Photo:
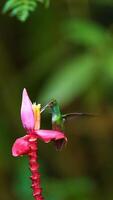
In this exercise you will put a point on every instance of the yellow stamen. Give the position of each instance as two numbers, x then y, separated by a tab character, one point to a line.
36	110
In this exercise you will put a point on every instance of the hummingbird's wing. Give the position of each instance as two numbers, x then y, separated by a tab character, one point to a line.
76	114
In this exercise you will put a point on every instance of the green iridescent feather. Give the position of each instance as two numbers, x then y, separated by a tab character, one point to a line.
57	119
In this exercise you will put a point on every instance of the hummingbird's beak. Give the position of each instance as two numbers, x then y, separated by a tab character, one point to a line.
46	106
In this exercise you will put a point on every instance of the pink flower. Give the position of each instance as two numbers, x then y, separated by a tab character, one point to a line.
30	116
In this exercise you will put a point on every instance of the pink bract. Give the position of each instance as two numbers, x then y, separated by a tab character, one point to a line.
21	146
50	135
27	115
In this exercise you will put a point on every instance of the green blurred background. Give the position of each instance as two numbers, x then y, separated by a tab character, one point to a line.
63	52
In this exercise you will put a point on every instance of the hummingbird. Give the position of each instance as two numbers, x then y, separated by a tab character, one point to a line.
58	119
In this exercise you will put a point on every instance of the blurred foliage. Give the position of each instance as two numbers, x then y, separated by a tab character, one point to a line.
63	52
79	188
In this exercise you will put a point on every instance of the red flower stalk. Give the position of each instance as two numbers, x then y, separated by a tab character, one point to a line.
34	167
27	145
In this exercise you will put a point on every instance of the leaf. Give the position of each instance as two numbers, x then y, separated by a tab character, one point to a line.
84	32
22	8
70	81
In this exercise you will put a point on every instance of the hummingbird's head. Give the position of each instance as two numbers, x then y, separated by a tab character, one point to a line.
52	103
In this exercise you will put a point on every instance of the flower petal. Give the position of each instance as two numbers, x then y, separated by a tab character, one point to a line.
51	135
27	115
21	146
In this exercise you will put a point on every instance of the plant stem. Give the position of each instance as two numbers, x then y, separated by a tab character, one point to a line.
34	168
